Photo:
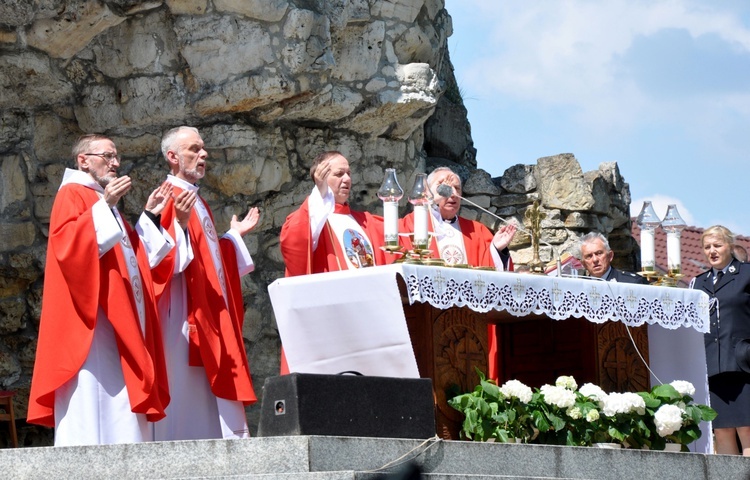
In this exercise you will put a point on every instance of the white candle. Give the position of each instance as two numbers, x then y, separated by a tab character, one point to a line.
390	220
420	225
674	261
647	250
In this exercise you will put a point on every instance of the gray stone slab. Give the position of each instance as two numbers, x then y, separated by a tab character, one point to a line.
350	458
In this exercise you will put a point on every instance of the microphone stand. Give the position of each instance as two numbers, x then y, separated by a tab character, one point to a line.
446	191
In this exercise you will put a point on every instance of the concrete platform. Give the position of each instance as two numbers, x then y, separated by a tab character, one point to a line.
334	458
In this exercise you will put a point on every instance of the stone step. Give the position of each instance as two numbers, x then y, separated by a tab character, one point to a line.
359	458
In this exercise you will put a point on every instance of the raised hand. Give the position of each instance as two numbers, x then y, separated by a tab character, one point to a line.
116	189
159	198
321	176
504	236
248	223
183	205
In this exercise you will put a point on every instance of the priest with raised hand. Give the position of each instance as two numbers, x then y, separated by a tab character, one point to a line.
201	305
460	241
324	234
99	375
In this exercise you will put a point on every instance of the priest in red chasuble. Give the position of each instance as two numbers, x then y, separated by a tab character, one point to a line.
100	375
201	305
458	240
324	234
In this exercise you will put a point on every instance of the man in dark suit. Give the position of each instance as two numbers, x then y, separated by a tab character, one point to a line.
596	257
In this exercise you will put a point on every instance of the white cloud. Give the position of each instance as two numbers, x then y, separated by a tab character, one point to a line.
660	203
568	54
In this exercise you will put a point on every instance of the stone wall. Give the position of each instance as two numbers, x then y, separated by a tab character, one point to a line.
270	83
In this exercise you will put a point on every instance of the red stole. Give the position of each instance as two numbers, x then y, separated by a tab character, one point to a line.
214	324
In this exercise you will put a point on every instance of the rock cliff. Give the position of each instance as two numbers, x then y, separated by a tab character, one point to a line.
270	83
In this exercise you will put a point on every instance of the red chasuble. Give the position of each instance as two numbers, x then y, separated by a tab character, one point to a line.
76	284
215	325
477	243
296	242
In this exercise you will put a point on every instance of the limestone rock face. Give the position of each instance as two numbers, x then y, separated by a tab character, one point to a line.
270	84
561	183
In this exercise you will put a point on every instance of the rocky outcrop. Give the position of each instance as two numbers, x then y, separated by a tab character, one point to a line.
270	84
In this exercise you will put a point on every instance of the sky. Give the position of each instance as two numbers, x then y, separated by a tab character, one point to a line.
660	87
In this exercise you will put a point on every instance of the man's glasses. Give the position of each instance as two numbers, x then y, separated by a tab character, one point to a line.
108	156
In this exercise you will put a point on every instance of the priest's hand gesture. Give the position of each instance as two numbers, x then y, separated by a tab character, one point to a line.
503	237
248	223
159	198
321	176
183	206
116	189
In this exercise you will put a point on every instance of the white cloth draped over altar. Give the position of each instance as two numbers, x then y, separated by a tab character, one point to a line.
354	320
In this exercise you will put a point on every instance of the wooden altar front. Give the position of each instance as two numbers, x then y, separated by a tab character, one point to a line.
450	344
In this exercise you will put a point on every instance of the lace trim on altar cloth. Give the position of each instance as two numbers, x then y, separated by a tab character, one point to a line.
556	297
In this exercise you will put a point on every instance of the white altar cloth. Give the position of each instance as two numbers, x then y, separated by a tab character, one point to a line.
556	297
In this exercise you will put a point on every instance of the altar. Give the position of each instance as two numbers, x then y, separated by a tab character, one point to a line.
411	320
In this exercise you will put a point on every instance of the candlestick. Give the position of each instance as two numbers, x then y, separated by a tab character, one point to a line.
390	193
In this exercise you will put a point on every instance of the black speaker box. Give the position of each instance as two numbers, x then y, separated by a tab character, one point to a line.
347	405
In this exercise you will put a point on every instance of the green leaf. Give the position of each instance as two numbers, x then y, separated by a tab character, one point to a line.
540	421
667	392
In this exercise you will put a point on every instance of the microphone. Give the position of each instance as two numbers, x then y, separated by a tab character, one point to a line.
446	191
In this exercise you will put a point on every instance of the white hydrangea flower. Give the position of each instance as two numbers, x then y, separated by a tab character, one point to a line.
683	387
593	392
516	389
566	381
623	403
558	396
592	416
574	413
668	419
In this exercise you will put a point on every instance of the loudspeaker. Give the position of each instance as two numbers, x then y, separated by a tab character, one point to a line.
347	405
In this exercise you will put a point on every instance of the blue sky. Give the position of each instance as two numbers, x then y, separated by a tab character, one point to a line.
660	87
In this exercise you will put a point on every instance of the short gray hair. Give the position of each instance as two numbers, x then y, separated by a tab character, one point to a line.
591	236
168	139
432	174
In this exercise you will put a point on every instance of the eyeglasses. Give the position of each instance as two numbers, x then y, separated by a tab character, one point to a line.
108	156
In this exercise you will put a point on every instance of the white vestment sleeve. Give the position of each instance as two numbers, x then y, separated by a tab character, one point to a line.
184	250
496	258
245	263
320	208
108	230
157	241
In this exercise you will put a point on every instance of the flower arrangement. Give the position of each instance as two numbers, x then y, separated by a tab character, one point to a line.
563	414
676	419
495	413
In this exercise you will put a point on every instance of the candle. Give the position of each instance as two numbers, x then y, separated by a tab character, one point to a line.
647	250
390	223
674	262
420	226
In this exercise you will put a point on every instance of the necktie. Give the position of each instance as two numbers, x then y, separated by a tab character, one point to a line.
718	276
